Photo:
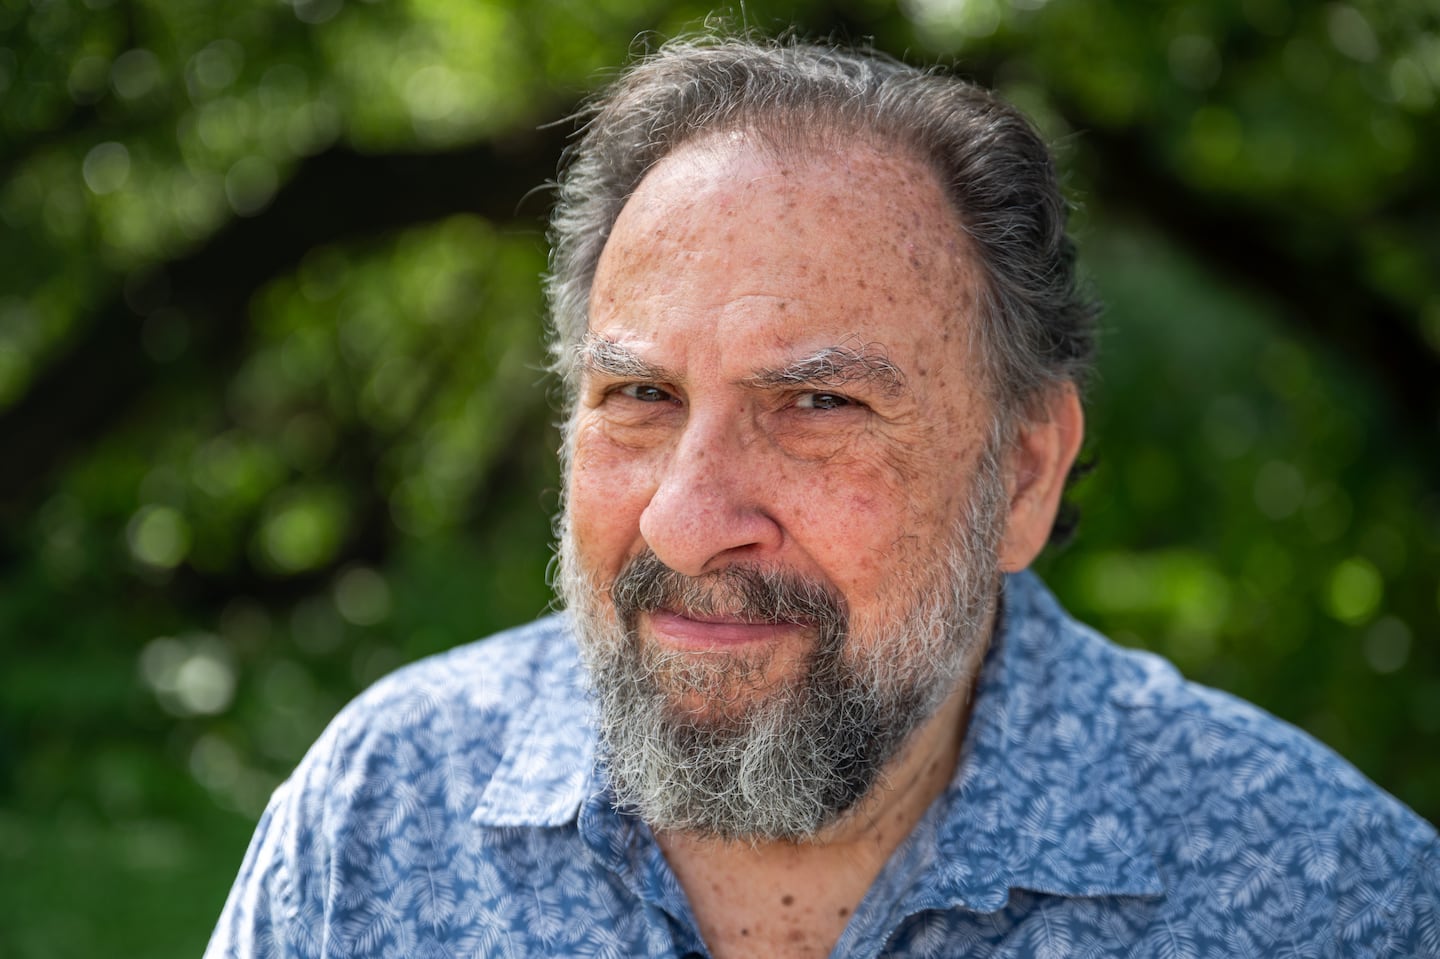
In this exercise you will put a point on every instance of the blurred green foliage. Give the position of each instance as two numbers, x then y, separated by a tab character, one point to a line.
273	419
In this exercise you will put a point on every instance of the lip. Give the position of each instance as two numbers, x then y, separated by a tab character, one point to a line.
677	630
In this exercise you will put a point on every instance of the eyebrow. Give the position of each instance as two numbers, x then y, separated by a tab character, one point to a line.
829	367
596	354
836	366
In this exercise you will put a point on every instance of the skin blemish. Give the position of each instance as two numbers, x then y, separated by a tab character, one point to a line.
744	932
787	900
844	911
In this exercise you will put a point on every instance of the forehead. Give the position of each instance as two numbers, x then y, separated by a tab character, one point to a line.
842	243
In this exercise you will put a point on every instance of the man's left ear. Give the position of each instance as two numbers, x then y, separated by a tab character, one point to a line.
1036	465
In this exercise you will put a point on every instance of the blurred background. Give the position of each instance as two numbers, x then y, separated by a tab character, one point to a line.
272	421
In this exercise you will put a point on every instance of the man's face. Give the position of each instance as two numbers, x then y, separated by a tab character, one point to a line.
779	421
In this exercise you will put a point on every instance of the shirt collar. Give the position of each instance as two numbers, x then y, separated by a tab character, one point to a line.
1042	798
547	768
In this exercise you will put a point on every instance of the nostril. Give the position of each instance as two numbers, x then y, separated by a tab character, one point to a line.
690	525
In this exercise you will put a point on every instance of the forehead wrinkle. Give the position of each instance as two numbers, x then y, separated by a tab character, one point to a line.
834	366
602	355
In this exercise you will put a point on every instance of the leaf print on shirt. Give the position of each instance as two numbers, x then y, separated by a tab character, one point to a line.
1104	807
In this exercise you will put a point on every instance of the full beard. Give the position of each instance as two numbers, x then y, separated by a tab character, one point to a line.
767	760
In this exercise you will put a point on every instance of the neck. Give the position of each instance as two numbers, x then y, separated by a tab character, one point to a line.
794	898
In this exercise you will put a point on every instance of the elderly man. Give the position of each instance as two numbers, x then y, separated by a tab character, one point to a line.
817	319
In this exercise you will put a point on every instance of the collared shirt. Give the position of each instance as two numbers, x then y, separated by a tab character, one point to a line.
1102	806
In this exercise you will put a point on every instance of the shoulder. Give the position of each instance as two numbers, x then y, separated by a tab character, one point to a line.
391	787
427	741
483	681
1201	743
464	704
1253	824
1198	747
1248	815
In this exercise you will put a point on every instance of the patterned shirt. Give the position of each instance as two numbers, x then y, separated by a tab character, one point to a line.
1102	806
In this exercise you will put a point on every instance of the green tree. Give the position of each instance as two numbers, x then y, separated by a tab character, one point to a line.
273	421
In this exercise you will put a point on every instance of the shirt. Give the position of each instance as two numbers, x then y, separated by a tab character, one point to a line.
1101	806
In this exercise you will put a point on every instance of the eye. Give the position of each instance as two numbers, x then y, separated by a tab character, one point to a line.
822	401
644	392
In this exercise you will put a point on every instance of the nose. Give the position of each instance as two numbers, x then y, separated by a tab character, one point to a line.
711	502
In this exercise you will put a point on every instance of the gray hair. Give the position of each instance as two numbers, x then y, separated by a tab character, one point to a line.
1036	327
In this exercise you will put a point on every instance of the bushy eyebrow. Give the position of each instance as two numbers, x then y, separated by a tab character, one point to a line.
596	354
830	367
833	367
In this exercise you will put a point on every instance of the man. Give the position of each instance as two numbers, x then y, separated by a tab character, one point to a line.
817	320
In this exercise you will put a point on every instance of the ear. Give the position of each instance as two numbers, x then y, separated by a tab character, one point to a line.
1036	465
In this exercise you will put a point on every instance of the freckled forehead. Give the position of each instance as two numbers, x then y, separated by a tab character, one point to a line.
809	248
726	175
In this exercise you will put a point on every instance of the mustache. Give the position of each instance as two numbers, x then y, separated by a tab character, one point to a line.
747	593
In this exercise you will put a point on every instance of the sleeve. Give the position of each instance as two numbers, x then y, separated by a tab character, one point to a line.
275	910
1416	927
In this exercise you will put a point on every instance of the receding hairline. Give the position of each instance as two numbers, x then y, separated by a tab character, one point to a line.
966	268
804	142
994	169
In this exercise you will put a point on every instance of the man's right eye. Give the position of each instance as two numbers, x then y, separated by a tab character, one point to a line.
644	392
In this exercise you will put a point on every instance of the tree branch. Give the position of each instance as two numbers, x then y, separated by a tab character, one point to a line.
335	196
1322	293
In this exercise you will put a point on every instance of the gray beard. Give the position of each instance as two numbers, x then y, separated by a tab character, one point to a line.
778	763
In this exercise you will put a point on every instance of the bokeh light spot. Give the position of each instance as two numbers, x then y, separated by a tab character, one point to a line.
1194	61
215	67
1279	489
190	677
316	11
362	596
106	167
87	79
158	536
135	73
303	529
205	684
1351	33
250	184
1355	590
1387	645
215	764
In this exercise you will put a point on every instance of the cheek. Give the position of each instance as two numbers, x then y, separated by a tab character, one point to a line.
879	520
606	491
854	522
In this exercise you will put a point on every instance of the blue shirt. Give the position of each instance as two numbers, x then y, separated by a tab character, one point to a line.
1102	806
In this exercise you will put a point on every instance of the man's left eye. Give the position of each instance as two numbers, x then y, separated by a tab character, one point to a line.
645	393
822	401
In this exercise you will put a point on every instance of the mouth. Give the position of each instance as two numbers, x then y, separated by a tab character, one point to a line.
706	631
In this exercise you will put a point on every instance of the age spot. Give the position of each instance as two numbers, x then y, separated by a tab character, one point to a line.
787	900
